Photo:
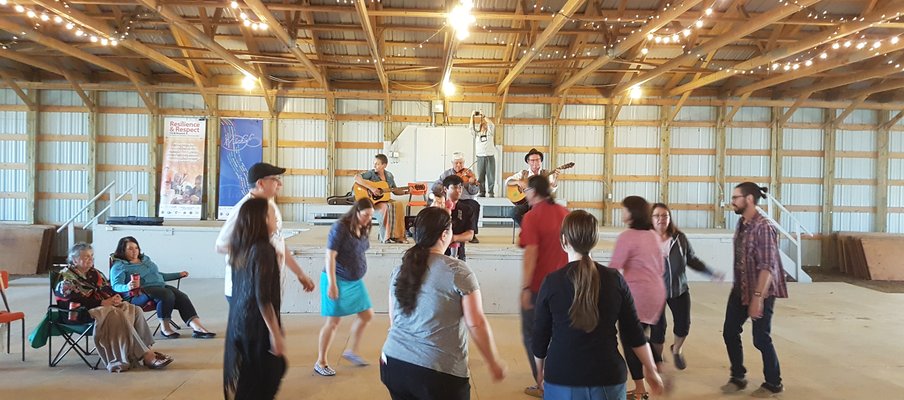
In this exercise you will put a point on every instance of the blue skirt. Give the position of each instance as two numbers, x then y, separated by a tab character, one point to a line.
353	297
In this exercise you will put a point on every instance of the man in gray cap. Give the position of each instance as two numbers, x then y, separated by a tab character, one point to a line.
266	180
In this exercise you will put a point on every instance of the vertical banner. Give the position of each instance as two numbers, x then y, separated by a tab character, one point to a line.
182	180
241	146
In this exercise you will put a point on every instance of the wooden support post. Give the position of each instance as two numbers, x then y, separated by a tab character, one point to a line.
608	165
665	147
213	158
556	113
387	118
776	156
154	130
272	138
32	128
331	134
828	190
93	126
882	137
719	214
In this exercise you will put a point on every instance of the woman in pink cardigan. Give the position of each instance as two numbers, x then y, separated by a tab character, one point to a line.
640	259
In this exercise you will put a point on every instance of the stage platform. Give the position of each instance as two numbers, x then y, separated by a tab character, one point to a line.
497	262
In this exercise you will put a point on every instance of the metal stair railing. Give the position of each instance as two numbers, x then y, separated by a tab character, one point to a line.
69	225
773	207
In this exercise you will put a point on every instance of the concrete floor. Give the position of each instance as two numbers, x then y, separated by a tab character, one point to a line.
834	341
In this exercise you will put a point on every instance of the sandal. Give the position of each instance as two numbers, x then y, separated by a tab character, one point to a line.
355	359
324	370
159	363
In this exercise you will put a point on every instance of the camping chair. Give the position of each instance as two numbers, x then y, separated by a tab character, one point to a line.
7	316
151	306
72	332
416	189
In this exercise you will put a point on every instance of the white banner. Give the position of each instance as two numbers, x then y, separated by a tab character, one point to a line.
182	180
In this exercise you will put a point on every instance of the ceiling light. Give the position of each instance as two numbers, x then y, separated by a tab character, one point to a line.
686	32
636	92
699	23
58	19
775	66
709	11
247	22
644	51
650	36
787	67
675	38
824	55
79	33
895	40
795	67
93	39
835	46
19	8
249	82
114	42
235	4
448	88
45	17
861	45
877	45
70	25
848	43
808	63
104	41
31	14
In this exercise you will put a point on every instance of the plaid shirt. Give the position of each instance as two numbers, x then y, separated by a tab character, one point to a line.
756	249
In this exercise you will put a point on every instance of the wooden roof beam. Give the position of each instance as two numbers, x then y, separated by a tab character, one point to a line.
850	109
716	43
102	28
578	42
894	120
316	42
266	15
174	18
69	75
209	100
855	57
630	41
847	78
266	87
802	45
8	79
67	49
797	104
361	7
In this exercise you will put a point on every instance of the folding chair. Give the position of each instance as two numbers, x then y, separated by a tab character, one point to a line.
8	316
416	189
72	332
151	305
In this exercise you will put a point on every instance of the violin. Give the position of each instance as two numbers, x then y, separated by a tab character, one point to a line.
466	174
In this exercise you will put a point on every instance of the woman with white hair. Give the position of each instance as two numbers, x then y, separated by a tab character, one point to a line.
121	334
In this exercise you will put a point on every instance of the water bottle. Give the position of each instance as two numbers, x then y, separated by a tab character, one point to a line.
137	290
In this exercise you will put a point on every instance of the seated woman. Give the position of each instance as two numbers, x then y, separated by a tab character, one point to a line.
128	260
121	334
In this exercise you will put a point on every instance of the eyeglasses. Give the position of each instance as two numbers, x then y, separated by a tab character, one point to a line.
738	197
660	216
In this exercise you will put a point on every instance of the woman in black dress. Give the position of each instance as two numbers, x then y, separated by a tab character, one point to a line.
254	361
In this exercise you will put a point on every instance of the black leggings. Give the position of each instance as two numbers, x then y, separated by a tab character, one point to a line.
407	381
681	316
167	299
634	364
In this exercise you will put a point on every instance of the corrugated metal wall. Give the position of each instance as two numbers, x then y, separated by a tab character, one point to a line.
518	139
692	168
356	141
62	155
855	174
123	152
574	141
896	180
13	162
637	168
747	153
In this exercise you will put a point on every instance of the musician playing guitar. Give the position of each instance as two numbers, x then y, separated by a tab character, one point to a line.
468	190
392	230
534	160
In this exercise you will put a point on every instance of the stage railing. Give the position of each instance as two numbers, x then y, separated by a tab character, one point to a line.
69	225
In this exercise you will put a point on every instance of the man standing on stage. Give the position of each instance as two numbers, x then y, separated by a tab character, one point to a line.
534	160
483	129
758	280
469	188
267	181
541	240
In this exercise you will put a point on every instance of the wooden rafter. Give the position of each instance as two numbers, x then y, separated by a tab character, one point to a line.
147	97
102	28
266	87
316	43
266	15
797	103
894	120
361	6
630	41
736	108
200	81
71	76
802	45
850	109
577	44
847	78
716	43
171	16
8	79
514	41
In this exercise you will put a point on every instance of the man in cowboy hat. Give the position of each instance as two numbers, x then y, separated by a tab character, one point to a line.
534	160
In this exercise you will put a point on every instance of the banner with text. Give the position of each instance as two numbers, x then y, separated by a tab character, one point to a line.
182	180
241	146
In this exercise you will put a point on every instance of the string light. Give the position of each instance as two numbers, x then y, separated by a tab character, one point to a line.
61	18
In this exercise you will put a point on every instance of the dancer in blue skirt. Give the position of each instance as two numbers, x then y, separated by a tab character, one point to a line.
341	285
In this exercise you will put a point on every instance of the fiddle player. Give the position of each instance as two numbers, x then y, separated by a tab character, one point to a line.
469	188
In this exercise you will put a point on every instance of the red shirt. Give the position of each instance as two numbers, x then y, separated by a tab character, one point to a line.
542	226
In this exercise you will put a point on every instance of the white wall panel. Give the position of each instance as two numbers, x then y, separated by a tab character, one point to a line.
58	211
359	107
896	196
60	98
696	113
313	130
466	109
896	223
120	99
801	194
692	192
307	186
302	105
855	168
802	167
242	103
753	114
12	122
896	168
806	115
852	222
12	180
855	195
748	138
692	219
692	165
586	112
693	138
620	190
636	136
583	191
63	123
896	142
855	140
747	166
181	101
130	125
519	110
122	154
360	131
577	136
636	164
803	139
860	116
527	135
13	210
411	108
9	97
584	164
639	113
811	221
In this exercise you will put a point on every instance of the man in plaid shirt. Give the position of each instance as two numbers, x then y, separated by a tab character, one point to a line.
758	280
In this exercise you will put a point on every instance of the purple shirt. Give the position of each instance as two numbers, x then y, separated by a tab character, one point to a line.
639	256
756	249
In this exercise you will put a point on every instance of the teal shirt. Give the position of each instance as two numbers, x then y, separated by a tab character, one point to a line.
122	270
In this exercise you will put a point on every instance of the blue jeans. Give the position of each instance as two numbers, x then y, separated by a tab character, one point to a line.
736	315
560	392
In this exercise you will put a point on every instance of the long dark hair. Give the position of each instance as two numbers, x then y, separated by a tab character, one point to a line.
671	230
120	252
250	228
640	212
579	231
429	227
350	218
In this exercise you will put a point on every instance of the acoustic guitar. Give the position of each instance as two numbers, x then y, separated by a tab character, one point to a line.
385	195
516	195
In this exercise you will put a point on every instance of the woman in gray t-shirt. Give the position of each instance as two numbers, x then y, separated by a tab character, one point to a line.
426	352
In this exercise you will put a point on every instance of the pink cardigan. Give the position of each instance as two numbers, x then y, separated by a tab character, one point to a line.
638	255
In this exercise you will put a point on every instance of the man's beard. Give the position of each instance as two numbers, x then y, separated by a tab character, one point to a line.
740	211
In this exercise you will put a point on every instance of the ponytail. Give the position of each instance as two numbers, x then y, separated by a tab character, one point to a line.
584	310
429	227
